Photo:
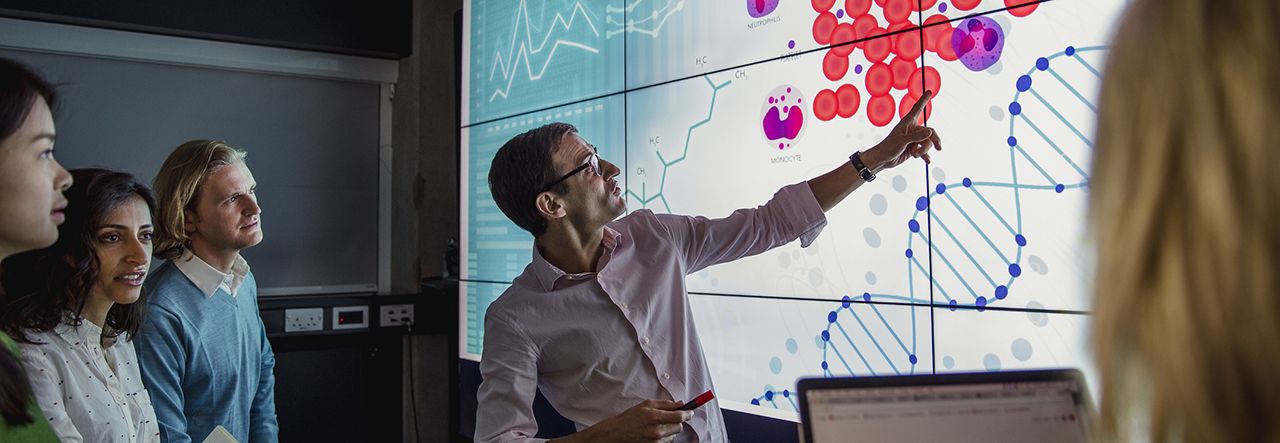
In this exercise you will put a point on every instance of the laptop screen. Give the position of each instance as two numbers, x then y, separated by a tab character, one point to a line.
1040	411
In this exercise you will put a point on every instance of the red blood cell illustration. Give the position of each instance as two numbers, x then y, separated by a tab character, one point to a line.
944	49
822	5
893	50
879	79
822	27
897	11
825	105
877	49
863	25
931	81
1020	11
893	33
880	110
856	8
907	45
901	69
848	100
934	26
834	65
842	34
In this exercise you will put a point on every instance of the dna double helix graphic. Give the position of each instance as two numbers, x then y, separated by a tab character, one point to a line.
974	274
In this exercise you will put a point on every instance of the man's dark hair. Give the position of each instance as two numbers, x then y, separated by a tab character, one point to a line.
521	168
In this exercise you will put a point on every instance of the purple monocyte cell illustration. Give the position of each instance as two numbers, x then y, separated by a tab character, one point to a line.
778	127
782	117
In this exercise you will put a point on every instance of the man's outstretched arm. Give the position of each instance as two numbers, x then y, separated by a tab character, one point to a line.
794	212
907	140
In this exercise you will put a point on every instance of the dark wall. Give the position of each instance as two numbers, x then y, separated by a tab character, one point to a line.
375	29
374	384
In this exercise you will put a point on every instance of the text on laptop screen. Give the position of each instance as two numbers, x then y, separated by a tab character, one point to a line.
1044	412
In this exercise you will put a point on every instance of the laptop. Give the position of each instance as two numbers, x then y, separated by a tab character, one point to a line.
1043	406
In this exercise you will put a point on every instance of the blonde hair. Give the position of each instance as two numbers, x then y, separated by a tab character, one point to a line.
177	189
1185	214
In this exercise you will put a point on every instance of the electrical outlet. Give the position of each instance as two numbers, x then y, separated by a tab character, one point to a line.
395	315
301	320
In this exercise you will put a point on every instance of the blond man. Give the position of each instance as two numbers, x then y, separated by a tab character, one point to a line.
204	352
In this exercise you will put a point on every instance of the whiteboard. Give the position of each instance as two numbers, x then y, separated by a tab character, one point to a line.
314	143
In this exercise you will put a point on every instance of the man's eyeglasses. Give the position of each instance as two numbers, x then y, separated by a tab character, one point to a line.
593	162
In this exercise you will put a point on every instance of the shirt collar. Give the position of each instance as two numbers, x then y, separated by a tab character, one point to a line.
85	332
208	279
548	274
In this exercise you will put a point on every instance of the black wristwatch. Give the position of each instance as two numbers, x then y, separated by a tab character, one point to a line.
863	171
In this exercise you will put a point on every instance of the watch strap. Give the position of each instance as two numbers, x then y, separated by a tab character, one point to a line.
862	168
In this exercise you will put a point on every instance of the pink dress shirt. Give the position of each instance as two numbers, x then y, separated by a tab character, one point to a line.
598	343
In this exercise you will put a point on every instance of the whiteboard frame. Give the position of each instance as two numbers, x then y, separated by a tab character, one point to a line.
54	38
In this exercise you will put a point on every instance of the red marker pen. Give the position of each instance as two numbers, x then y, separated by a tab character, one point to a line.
697	401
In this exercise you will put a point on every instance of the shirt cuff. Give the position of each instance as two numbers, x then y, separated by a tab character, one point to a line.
801	208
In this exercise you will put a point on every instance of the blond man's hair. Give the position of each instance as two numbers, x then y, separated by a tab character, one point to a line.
177	189
1185	210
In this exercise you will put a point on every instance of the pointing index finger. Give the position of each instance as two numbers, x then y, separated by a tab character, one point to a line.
913	115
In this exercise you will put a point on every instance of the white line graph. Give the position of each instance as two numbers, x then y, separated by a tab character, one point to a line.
659	17
521	50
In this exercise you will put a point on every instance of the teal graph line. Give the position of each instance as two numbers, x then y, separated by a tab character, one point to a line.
643	198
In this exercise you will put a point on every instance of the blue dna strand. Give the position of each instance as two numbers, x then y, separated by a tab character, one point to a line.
1046	154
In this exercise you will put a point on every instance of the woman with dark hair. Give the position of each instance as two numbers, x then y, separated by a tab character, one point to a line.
75	306
31	205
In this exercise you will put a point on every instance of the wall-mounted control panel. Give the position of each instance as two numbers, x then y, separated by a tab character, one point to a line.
350	317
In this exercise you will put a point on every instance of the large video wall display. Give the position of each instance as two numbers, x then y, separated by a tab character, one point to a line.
975	262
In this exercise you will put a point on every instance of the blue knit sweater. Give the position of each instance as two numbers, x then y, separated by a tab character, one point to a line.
206	361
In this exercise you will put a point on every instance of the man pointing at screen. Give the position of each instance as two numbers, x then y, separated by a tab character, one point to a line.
600	319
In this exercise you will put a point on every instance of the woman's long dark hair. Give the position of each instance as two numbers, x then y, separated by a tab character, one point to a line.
41	286
20	87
